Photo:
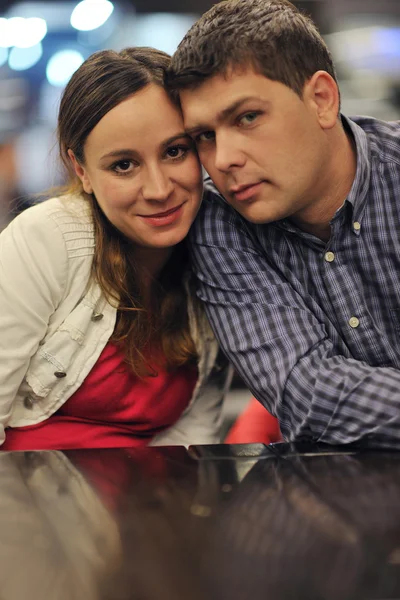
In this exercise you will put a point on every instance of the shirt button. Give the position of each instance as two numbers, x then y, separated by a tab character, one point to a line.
356	226
60	374
354	322
28	402
97	316
329	257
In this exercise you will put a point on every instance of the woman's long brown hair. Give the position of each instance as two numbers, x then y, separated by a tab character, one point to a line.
145	327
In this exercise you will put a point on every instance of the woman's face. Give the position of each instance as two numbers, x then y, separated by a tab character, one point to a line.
143	169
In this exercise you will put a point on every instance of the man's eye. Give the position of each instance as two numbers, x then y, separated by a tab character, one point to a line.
248	118
206	136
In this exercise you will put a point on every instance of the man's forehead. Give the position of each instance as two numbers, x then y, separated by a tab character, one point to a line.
194	105
221	78
216	97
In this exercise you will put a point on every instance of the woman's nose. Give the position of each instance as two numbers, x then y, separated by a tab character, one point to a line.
157	185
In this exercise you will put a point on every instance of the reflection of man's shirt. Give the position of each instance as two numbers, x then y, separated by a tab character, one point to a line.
314	328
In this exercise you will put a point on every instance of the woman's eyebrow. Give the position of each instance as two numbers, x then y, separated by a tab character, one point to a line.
123	152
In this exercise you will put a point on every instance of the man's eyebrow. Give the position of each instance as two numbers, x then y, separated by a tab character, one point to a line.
224	114
122	152
178	136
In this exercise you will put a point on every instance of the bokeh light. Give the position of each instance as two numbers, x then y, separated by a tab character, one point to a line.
62	65
21	59
91	14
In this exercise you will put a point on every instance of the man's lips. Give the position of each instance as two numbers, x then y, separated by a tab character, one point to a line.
245	191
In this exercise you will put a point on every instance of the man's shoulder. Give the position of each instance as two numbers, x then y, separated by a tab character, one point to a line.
215	206
215	210
384	136
211	196
218	224
377	126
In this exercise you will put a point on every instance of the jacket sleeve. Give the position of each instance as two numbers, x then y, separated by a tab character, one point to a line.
33	272
281	350
201	423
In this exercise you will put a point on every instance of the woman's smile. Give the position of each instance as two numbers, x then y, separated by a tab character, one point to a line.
164	218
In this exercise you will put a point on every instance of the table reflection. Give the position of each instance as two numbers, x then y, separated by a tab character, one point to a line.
58	541
165	524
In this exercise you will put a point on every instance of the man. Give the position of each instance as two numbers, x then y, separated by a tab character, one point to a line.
302	280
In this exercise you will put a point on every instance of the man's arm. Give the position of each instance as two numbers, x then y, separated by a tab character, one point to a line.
281	350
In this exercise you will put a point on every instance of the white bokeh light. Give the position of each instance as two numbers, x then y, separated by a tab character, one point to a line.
62	66
22	33
21	59
5	33
163	31
91	14
15	30
32	32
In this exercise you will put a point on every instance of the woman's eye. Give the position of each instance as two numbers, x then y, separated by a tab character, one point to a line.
248	118
177	152
122	166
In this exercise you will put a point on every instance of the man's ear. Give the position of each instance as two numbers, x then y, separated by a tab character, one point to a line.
81	172
322	94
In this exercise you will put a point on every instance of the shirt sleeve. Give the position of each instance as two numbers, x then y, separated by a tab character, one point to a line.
33	265
279	347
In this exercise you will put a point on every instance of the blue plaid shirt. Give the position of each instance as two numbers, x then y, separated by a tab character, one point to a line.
314	328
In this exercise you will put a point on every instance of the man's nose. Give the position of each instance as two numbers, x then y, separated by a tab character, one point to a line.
228	153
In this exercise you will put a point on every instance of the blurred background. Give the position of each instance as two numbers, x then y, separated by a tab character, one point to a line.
43	43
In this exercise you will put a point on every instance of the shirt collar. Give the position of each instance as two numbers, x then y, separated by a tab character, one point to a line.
359	189
358	192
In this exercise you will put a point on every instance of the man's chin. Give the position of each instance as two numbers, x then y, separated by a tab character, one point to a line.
253	215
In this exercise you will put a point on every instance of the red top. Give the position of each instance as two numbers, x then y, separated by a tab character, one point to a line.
112	408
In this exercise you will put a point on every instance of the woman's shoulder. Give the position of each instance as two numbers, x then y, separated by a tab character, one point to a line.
67	217
64	209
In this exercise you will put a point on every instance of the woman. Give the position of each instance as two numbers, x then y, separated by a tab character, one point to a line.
101	341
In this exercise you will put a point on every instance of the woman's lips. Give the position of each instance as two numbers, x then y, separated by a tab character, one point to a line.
164	218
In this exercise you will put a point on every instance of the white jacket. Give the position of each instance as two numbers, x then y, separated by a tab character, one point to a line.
55	322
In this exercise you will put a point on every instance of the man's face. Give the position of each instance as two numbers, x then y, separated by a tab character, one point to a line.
262	144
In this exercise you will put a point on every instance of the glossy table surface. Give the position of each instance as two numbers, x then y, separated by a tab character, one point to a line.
214	522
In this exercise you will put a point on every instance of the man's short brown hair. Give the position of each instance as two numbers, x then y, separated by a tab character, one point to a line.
272	36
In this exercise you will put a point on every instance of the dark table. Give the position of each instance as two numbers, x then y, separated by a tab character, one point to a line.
214	522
